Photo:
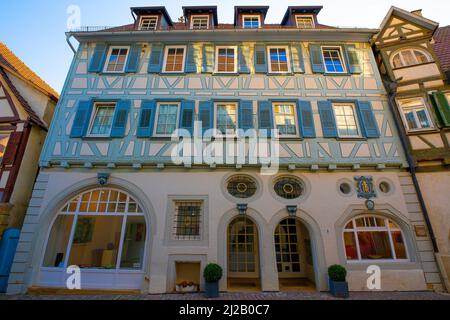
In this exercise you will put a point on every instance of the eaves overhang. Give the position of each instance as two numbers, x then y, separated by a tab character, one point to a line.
217	35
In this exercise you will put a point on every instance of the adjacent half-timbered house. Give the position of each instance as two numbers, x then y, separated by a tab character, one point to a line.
329	182
411	60
26	109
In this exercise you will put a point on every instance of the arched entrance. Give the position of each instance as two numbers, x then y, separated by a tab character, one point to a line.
243	255
102	231
294	256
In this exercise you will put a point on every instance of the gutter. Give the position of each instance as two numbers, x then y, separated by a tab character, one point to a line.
392	90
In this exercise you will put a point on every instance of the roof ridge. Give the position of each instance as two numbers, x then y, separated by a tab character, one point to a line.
23	70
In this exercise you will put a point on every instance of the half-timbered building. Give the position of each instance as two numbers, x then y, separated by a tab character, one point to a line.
114	198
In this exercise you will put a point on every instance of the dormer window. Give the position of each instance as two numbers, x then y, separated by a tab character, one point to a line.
251	22
200	22
304	22
410	57
148	23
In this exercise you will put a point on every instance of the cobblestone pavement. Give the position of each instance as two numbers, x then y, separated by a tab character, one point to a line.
422	295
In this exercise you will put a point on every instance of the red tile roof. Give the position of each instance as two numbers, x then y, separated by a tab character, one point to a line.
13	64
442	47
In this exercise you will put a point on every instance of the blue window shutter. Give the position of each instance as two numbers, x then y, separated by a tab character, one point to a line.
82	118
327	118
306	119
298	65
246	115
133	59
369	126
205	114
187	115
146	119
156	58
315	53
352	59
208	58
120	119
265	117
98	58
243	64
191	60
260	59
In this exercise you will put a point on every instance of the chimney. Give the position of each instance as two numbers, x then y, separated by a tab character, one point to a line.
417	12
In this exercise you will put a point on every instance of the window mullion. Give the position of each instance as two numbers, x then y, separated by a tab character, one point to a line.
394	255
358	250
122	237
69	244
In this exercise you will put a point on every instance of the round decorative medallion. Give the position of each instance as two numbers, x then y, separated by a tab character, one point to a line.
241	186
289	187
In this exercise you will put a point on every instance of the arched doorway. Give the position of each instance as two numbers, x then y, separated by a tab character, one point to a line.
243	255
294	257
102	231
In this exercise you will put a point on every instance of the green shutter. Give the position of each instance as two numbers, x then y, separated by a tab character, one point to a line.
146	119
306	119
120	119
260	59
367	120
265	117
327	118
191	60
442	106
133	59
243	64
82	117
297	59
187	115
98	58
352	58
315	52
246	114
205	114
156	57
208	58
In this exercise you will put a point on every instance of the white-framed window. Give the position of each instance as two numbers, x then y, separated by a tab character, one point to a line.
410	57
166	118
116	59
369	238
251	21
226	59
102	119
226	120
200	22
333	60
98	229
415	114
188	220
148	23
174	59
346	120
279	61
304	21
285	118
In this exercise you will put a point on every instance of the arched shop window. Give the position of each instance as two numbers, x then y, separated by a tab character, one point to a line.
374	238
99	229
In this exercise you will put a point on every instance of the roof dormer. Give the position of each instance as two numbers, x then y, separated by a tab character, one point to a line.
303	17
250	17
200	17
151	18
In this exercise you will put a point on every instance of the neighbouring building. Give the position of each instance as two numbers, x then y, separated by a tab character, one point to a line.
27	104
111	200
414	58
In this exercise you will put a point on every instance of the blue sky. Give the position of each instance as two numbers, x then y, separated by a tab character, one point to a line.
35	30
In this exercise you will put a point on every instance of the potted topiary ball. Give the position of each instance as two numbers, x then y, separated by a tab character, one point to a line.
337	283
212	274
